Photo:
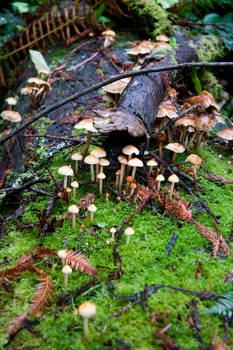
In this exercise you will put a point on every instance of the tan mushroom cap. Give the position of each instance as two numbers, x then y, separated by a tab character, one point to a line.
185	121
194	159
66	171
11	101
167	109
98	152
204	122
91	159
104	162
113	230
62	253
28	90
108	32
36	81
118	86
212	102
162	37
226	134
101	176
87	309
129	231
152	162
175	147
123	160
73	209
67	269
129	150
173	178
142	48
135	162
92	208
86	124
74	184
76	156
161	45
11	116
160	178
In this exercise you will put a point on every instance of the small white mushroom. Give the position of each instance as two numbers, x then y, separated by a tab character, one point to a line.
74	185
103	162
66	270
76	156
73	209
113	231
129	150
129	231
101	177
123	160
65	171
91	160
62	255
86	124
86	310
98	153
11	101
151	163
159	179
135	163
92	208
173	179
117	173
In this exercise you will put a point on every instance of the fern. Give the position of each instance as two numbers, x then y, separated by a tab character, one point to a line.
224	306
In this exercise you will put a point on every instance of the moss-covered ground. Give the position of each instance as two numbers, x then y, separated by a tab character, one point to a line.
143	262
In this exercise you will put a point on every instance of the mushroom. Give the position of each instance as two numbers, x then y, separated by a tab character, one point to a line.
173	179
103	162
74	185
129	231
42	88
144	47
76	156
203	125
86	124
151	163
11	101
195	160
123	160
43	73
117	173
227	134
91	160
66	270
117	87
135	162
167	111
109	37
98	153
183	123
11	116
175	148
101	177
73	209
86	310
159	179
62	255
31	92
65	171
161	138
129	151
129	180
162	37
133	186
92	208
113	231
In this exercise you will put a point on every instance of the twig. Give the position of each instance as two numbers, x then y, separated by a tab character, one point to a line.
108	81
62	138
197	324
83	62
172	243
11	190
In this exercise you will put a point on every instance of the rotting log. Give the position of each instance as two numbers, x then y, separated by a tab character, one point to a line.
137	108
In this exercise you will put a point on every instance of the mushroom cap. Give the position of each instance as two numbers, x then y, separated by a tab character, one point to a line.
162	37
91	159
152	162
226	134
185	121
142	48
67	269
167	109
135	162
133	185
173	178
108	32
74	184
28	90
175	147
205	99
87	309
217	117
118	172
101	176
98	152
204	122
123	160
36	81
62	253
129	231
129	178
11	101
129	150
73	209
212	102
160	178
68	189
117	87
113	230
104	162
11	116
92	208
66	171
86	124
76	156
194	159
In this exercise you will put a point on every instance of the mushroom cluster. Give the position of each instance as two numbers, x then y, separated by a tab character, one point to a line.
36	90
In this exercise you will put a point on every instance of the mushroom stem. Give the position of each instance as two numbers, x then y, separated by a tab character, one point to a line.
173	158
158	185
97	171
128	166
92	172
121	177
117	182
160	149
85	327
89	133
171	190
128	239
101	187
65	181
76	167
133	172
73	221
74	192
91	218
66	280
150	170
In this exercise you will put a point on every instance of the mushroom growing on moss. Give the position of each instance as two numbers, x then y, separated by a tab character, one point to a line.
135	163
101	177
65	171
159	179
74	185
227	135
195	160
66	270
151	163
62	255
86	124
91	160
92	208
98	153
175	148
86	310
123	161
173	179
73	209
129	231
76	156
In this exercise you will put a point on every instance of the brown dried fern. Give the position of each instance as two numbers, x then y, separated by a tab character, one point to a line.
86	201
78	260
16	323
10	274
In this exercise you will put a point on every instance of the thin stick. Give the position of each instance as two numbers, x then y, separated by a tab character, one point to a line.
108	81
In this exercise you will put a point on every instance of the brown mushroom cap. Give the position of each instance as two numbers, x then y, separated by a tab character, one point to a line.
98	152
129	150
86	124
104	162
36	81
162	37
185	121
167	109
204	122
194	159
108	32
118	86
142	48
175	147
226	134
28	90
123	160
11	116
87	309
91	159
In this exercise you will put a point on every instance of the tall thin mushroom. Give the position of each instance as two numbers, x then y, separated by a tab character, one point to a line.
76	156
91	160
123	160
86	124
65	171
135	163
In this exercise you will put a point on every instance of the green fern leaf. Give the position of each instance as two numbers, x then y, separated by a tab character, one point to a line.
224	306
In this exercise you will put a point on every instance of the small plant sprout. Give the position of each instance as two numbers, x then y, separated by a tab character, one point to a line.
159	179
103	162
133	187
73	209
173	179
101	177
91	160
117	173
129	231
113	231
66	270
62	255
86	310
92	208
151	163
76	156
195	160
123	160
175	148
65	171
98	153
74	185
11	101
11	116
86	124
135	163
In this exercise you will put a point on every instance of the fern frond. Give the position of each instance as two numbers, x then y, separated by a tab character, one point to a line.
78	260
43	293
224	306
86	201
16	323
10	274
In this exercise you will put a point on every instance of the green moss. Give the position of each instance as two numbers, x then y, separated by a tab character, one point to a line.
209	48
211	84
